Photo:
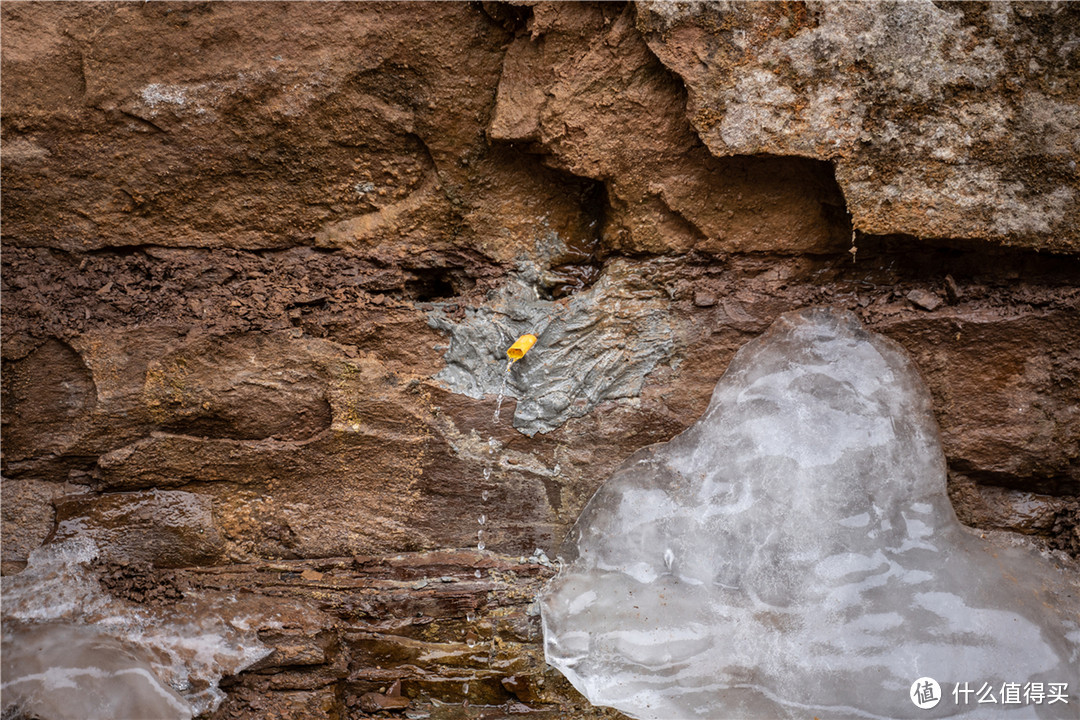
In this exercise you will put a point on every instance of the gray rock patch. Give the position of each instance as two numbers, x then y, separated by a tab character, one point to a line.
595	346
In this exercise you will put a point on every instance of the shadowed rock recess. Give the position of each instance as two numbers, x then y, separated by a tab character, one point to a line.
261	263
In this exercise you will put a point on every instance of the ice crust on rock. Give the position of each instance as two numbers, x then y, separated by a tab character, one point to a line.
77	672
794	554
72	650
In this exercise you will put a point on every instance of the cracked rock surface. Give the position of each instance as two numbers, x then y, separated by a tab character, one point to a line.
942	120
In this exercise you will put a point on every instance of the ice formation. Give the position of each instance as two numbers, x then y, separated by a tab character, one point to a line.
77	672
72	650
794	554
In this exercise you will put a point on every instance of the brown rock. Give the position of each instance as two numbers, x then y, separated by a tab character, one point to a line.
49	397
924	299
289	237
1003	414
28	515
378	136
952	290
849	83
704	299
988	506
246	387
373	633
391	700
584	88
166	528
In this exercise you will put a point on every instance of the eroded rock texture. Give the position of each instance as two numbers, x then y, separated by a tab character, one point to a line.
259	261
941	119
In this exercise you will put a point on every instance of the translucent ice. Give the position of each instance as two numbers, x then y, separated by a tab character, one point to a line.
794	554
72	650
77	672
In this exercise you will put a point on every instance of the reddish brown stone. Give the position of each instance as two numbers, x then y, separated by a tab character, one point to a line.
226	229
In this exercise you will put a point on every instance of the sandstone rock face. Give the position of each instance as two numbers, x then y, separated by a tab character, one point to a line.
164	528
28	515
944	121
584	89
269	257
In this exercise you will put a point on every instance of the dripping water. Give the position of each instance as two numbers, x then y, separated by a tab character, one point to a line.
502	392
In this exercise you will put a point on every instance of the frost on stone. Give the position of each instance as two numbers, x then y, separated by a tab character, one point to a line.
793	554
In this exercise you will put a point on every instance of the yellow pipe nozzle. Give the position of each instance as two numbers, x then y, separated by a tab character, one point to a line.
521	346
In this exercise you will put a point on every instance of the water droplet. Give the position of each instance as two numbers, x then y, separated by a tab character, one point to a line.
480	546
482	519
471	617
479	534
487	473
465	688
669	558
478	573
485	495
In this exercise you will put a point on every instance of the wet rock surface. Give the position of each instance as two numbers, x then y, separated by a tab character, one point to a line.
458	627
165	528
277	271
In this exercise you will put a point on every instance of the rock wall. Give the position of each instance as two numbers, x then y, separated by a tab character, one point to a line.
261	263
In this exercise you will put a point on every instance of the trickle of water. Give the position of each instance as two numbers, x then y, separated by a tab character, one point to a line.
498	403
502	392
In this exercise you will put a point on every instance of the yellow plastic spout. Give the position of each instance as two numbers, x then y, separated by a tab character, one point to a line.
517	351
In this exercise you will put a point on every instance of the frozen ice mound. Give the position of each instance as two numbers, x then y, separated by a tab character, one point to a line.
76	672
70	650
794	554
